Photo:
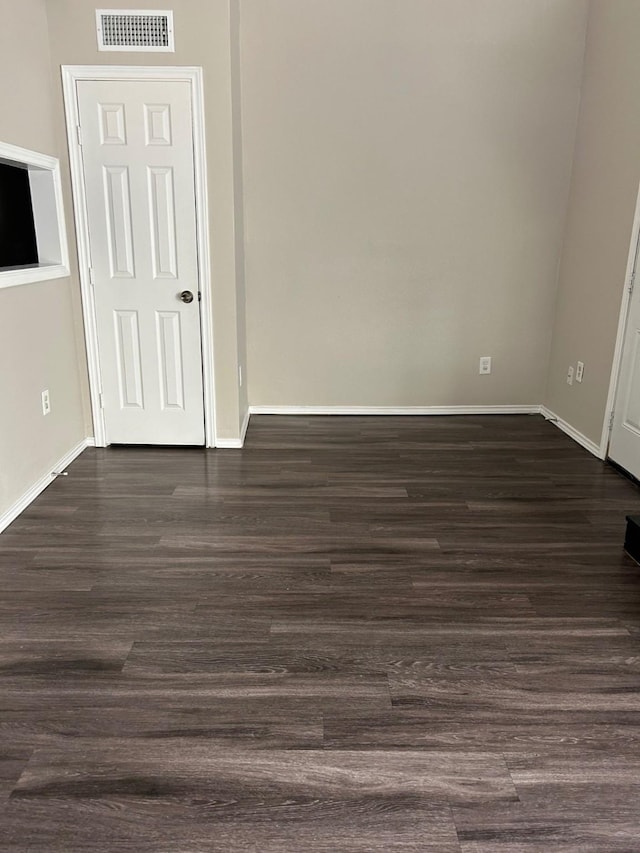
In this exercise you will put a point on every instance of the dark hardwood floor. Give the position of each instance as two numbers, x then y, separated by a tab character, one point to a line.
357	634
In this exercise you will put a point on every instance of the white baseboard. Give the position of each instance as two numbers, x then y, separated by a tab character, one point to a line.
235	443
228	444
572	432
245	426
395	410
31	494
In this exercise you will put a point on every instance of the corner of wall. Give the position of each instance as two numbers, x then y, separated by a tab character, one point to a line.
552	332
605	175
239	223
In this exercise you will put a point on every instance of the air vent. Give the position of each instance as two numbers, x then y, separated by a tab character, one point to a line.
135	30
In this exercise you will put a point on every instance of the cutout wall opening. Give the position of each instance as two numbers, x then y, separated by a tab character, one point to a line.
33	242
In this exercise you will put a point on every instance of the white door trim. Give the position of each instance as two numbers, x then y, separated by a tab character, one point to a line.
622	326
71	74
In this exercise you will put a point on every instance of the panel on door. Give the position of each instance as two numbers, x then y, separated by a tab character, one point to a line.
140	189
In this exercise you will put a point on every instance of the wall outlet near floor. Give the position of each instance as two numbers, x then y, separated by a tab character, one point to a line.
485	364
240	375
580	371
46	403
570	376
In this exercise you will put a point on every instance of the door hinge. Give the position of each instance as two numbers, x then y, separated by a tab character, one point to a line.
101	399
199	296
92	276
632	281
79	133
611	419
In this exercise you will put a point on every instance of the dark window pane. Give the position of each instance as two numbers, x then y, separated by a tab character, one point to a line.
17	231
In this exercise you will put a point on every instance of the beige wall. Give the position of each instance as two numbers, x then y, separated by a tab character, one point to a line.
406	173
203	38
37	324
603	195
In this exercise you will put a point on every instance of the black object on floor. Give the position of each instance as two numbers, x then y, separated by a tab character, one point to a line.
632	537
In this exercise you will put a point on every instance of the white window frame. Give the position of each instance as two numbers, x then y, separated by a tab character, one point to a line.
48	214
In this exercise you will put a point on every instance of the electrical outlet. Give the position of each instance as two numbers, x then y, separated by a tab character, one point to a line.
580	371
570	376
46	403
485	364
240	375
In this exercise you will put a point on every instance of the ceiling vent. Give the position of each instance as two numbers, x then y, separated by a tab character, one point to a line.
135	30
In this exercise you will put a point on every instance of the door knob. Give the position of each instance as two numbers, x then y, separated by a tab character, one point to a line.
186	296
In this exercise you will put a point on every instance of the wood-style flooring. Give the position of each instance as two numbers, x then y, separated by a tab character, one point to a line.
356	634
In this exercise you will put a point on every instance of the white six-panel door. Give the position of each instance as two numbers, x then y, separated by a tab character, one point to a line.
137	150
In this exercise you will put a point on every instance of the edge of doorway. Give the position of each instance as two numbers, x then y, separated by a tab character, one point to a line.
625	305
72	74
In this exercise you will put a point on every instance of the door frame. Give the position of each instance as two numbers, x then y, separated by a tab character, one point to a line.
72	74
629	284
